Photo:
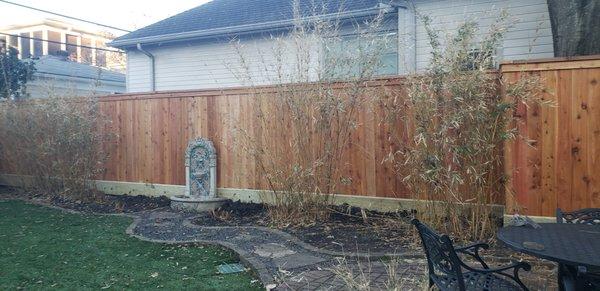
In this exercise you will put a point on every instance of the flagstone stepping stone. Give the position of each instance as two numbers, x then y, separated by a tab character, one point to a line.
295	261
273	250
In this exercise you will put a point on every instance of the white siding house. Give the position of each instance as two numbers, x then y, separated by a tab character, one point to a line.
212	62
199	65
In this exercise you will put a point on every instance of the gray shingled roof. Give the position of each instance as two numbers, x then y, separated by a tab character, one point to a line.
232	13
56	67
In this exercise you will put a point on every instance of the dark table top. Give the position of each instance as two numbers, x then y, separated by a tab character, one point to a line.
571	244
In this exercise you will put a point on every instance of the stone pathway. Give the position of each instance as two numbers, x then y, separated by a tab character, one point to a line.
278	258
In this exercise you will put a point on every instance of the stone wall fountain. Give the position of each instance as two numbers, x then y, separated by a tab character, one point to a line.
201	179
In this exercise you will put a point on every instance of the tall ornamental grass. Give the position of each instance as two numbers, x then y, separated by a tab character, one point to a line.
457	120
309	110
58	141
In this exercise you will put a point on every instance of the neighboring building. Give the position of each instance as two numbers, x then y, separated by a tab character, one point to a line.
52	37
57	76
192	50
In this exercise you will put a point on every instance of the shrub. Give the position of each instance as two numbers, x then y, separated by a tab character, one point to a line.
14	74
457	121
58	141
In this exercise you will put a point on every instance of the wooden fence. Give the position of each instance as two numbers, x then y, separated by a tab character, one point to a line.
154	129
562	168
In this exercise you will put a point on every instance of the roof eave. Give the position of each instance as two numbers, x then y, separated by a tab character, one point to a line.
208	33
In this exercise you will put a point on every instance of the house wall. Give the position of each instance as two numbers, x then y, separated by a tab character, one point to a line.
226	63
215	63
529	38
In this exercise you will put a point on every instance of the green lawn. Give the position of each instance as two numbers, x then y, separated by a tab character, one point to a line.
43	248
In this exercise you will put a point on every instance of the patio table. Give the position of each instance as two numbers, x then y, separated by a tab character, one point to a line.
574	245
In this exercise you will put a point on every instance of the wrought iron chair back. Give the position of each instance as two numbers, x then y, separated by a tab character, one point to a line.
582	216
442	260
448	272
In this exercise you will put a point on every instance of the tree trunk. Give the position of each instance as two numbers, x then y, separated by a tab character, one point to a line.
575	27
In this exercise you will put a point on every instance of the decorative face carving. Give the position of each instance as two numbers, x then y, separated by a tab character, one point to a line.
200	156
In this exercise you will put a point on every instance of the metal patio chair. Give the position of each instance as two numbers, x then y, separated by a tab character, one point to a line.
584	216
448	272
585	279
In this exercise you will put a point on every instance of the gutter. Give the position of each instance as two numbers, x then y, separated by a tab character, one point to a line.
247	28
152	66
407	40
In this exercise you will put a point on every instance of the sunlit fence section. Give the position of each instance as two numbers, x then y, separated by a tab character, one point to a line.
560	165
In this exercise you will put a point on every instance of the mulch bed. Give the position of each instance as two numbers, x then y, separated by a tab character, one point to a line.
95	202
113	203
345	231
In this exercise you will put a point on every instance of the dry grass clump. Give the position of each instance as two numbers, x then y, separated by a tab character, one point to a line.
221	215
58	141
458	120
310	112
358	275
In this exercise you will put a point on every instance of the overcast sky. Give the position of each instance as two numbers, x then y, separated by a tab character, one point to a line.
126	14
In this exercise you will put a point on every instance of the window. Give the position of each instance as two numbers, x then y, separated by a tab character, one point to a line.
72	47
13	41
100	54
38	45
54	44
351	56
25	45
86	52
476	59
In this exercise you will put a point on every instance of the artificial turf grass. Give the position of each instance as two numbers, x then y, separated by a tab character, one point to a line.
43	248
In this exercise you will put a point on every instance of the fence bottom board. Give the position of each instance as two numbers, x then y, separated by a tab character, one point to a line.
382	204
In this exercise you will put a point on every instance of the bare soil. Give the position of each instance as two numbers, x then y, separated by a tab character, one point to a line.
346	230
94	202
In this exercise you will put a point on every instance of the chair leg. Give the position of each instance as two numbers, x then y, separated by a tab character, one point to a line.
561	286
567	280
581	285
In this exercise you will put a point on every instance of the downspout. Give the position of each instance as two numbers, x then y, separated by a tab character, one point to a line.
152	66
407	40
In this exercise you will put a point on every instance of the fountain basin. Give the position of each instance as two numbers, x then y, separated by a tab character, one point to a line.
196	204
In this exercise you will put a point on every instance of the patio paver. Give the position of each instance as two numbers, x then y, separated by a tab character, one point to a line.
278	258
